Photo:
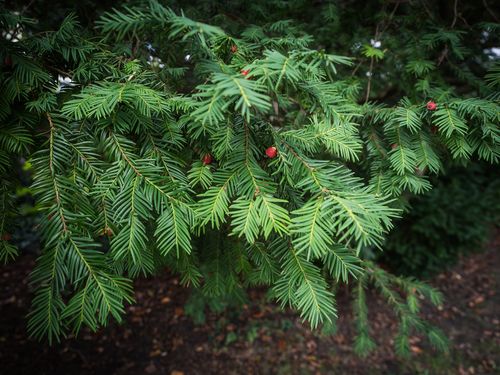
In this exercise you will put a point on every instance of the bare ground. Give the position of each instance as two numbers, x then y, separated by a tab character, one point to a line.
158	338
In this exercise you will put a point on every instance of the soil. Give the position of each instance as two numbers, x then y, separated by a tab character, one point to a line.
157	336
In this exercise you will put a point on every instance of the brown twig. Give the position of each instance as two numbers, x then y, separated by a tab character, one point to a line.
369	86
443	55
357	67
378	34
135	47
488	9
429	13
390	18
53	173
26	7
455	14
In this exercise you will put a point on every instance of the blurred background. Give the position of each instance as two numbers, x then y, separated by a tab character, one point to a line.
449	237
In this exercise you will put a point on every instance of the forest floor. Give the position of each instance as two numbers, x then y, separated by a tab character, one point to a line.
158	338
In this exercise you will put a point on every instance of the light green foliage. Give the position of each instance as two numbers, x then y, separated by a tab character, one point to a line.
117	154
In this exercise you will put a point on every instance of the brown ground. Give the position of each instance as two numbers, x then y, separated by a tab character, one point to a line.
158	338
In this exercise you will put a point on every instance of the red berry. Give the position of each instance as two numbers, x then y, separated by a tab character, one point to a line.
108	232
6	237
394	146
245	72
271	152
419	172
234	48
431	106
207	159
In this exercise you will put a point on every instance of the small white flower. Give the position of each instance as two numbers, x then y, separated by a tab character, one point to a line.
369	74
63	82
187	58
155	62
493	52
150	47
14	35
356	46
375	43
484	36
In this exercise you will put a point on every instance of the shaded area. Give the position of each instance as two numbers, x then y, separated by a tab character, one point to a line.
158	338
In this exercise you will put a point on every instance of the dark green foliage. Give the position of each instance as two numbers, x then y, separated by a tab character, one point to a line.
455	217
116	116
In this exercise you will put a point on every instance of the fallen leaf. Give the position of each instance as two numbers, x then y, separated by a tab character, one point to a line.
281	344
179	311
155	353
415	349
151	368
165	300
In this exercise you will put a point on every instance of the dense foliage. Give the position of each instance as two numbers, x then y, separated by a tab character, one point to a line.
455	217
237	151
